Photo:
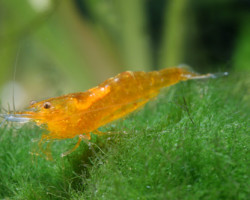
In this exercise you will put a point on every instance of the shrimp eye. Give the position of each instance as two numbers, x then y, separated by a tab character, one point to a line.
47	105
32	102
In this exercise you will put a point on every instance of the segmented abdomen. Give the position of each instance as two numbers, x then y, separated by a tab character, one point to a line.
126	92
131	85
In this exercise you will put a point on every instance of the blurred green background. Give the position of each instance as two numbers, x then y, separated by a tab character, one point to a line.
63	46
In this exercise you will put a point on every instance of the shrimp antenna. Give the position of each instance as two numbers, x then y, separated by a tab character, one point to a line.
5	110
2	122
14	79
8	111
2	108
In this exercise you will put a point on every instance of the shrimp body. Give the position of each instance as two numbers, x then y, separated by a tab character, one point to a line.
81	113
84	112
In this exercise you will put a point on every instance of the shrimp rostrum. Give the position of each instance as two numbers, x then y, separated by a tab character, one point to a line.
82	113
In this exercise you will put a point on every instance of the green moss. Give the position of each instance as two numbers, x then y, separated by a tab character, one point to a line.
191	143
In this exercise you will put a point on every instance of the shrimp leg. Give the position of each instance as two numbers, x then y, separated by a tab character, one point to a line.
99	133
46	151
85	137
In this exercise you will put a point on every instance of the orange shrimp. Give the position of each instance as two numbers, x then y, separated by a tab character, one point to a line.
79	114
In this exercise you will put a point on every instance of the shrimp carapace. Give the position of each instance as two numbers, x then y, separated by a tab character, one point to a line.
79	114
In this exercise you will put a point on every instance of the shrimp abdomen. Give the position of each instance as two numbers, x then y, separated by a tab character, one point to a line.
144	82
